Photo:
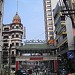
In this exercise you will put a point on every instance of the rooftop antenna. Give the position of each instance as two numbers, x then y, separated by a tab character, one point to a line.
17	6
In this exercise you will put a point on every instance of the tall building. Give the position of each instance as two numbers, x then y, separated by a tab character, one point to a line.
12	35
64	39
49	34
1	21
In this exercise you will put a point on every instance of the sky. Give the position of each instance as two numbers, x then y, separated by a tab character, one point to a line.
31	13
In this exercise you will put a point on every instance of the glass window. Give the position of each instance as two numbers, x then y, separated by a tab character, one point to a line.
51	28
12	36
17	35
17	44
6	29
64	35
17	27
21	44
12	44
63	18
21	36
12	52
12	27
5	37
51	33
5	45
57	41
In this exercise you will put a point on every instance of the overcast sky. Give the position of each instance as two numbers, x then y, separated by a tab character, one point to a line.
32	16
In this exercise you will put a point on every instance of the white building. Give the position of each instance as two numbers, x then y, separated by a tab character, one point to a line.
12	34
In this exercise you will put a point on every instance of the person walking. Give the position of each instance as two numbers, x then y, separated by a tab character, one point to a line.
69	73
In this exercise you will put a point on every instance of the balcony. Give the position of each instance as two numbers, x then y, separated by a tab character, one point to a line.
20	30
64	33
62	42
19	39
6	31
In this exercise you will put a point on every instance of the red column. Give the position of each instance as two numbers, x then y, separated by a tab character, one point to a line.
55	65
17	65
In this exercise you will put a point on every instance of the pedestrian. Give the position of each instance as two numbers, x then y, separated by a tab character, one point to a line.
69	73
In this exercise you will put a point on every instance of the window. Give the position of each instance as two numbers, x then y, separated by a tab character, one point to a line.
21	27
56	32
52	38
17	44
6	29
5	45
49	18
13	60
12	52
57	41
63	18
5	37
48	2
51	33
51	28
49	14
17	35
50	24
21	36
64	35
21	44
48	6
12	27
12	36
17	27
49	10
12	44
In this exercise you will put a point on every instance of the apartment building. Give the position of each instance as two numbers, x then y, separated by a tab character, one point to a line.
12	35
60	29
64	39
49	34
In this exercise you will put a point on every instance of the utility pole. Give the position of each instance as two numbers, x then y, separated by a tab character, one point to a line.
9	59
